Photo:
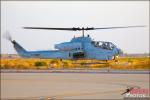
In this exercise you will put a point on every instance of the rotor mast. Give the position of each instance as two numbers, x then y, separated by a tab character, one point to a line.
82	31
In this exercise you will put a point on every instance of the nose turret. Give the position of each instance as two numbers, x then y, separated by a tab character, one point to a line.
119	51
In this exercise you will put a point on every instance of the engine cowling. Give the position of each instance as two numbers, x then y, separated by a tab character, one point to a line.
68	46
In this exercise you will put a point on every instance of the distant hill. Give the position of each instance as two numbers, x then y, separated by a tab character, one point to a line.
135	55
9	56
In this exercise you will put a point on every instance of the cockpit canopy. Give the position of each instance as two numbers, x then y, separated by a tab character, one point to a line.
103	45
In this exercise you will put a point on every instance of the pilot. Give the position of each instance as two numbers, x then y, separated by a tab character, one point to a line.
108	46
104	46
97	44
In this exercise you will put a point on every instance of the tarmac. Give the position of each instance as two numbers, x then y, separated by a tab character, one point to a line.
69	85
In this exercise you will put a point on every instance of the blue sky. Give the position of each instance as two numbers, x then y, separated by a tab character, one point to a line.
17	14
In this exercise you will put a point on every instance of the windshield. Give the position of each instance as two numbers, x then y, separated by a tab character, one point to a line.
103	45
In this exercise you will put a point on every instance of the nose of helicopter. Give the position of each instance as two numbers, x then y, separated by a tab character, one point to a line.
120	51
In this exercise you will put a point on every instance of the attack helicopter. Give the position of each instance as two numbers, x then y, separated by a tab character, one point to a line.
83	47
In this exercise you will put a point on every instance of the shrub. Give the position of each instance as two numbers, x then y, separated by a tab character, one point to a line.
40	63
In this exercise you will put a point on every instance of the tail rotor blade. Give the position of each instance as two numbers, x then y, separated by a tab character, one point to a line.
7	36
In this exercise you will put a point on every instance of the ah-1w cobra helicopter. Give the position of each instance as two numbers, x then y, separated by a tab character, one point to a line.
82	47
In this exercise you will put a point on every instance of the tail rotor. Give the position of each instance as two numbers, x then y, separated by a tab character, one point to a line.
8	36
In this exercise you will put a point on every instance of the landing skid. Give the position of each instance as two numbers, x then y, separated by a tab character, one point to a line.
89	62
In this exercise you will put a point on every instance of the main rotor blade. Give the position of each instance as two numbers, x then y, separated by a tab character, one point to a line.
117	27
79	29
47	28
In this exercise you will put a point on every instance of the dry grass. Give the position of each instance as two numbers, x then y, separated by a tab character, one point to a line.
131	63
123	63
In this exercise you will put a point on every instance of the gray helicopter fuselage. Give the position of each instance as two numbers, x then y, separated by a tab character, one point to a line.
77	48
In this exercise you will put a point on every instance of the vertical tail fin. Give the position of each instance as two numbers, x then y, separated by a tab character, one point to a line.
20	50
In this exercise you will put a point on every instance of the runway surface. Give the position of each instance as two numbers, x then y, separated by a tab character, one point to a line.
94	71
69	85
